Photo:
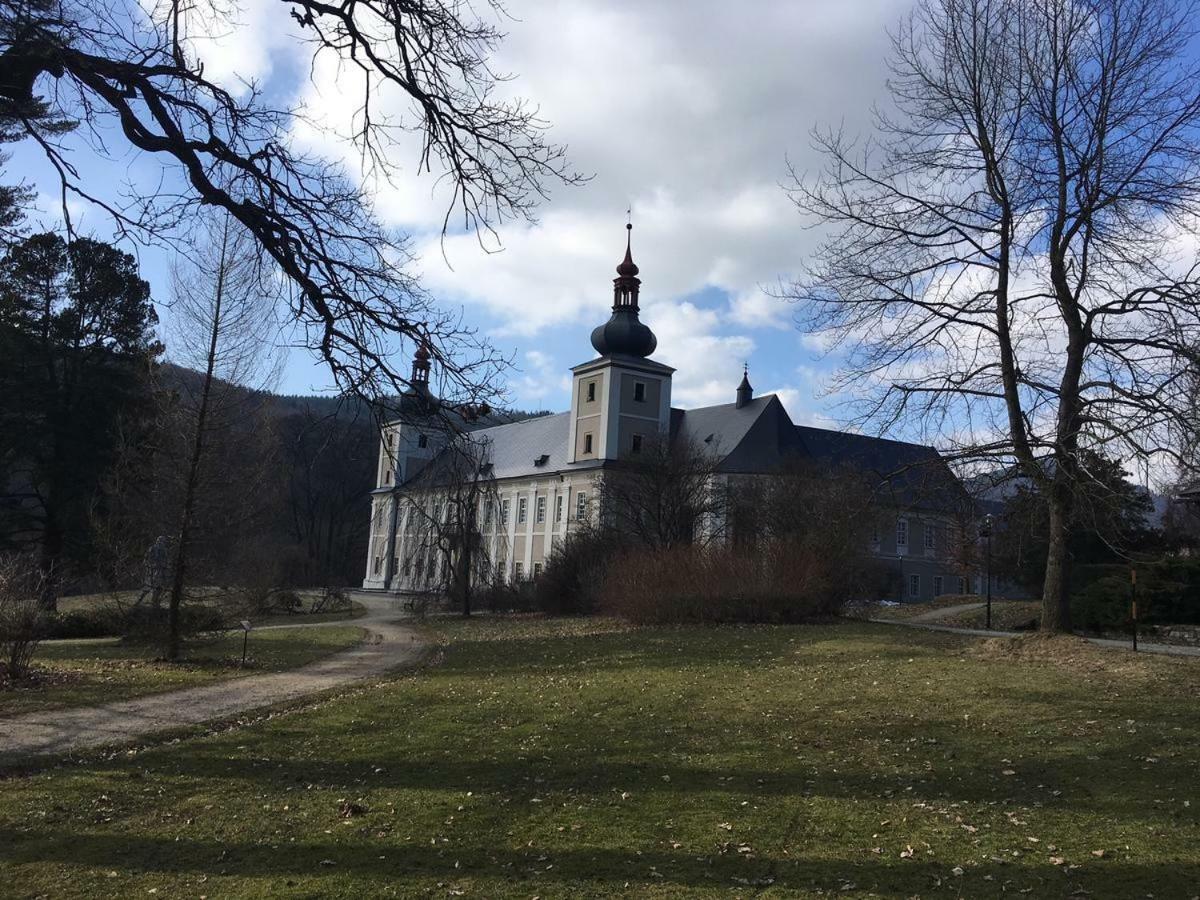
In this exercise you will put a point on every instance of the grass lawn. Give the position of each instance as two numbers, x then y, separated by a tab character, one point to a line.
78	673
582	759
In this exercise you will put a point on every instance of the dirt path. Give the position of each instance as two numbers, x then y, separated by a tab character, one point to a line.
387	646
1164	649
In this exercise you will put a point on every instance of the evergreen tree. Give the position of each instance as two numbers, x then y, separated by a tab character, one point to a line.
76	340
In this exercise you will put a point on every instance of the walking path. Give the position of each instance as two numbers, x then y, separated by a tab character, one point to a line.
926	621
387	646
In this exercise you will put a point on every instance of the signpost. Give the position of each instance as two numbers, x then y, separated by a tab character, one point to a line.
246	626
1133	603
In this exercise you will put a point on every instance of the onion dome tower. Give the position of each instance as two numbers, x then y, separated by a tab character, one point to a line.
624	334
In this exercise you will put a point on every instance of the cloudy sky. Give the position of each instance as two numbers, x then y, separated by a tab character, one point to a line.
685	111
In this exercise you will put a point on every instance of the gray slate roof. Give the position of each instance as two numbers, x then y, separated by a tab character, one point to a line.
756	438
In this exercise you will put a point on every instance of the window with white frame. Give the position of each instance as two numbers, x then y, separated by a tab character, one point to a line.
519	571
504	509
901	534
558	508
937	585
537	570
962	584
581	505
929	537
539	510
914	585
522	510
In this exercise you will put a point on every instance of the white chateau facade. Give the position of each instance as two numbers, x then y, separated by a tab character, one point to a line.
541	472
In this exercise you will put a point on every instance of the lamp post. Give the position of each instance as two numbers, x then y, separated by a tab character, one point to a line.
985	532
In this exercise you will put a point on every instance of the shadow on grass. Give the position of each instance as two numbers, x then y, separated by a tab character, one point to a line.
375	860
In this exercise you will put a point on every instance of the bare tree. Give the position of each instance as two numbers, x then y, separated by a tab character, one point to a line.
452	504
135	71
1004	263
223	325
666	496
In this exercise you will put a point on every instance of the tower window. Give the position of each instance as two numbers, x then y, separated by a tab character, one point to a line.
422	440
587	443
639	391
591	391
637	443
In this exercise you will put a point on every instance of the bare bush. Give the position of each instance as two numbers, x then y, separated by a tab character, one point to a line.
22	616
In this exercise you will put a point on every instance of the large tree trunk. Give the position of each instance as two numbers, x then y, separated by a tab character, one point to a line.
1056	598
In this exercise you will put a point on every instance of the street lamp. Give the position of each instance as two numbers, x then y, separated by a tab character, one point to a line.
985	532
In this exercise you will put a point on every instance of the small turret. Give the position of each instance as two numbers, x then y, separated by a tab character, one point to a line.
623	333
745	393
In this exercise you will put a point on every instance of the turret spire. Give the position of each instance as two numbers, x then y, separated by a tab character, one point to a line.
623	333
420	366
745	393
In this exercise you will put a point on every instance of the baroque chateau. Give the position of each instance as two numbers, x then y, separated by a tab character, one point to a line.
542	473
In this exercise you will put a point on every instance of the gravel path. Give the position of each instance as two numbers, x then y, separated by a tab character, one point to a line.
387	646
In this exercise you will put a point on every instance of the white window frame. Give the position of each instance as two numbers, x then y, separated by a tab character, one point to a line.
522	510
901	535
914	584
505	508
939	586
539	510
518	571
581	506
558	508
929	538
537	570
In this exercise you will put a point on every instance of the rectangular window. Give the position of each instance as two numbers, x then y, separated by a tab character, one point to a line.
387	476
487	511
587	443
914	585
422	440
504	511
639	391
875	535
391	439
539	510
929	545
581	505
937	585
377	566
558	508
522	510
537	569
519	571
637	443
901	534
962	584
591	391
407	567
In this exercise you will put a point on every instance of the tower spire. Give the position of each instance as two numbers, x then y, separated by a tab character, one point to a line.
623	333
420	366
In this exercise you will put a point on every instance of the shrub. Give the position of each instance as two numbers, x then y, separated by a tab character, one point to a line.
286	601
1168	592
22	617
516	596
570	584
781	582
